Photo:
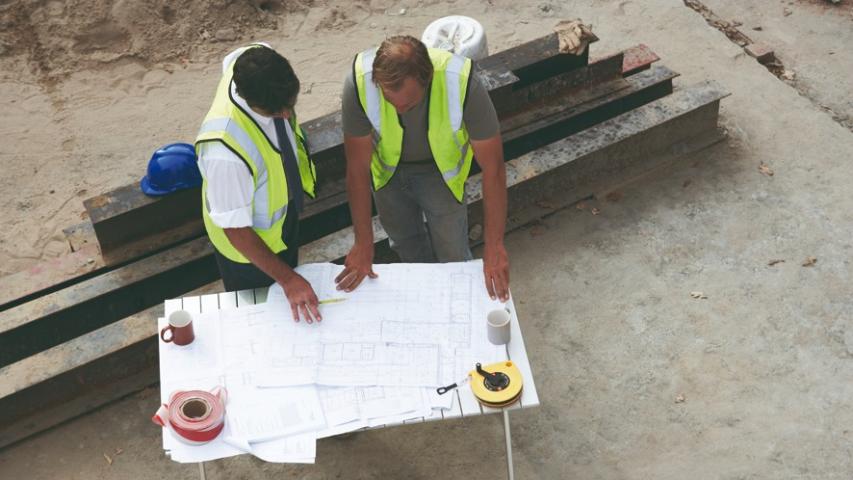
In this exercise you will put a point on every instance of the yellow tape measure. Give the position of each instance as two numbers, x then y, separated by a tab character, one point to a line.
496	385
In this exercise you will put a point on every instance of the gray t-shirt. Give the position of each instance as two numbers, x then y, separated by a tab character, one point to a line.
479	117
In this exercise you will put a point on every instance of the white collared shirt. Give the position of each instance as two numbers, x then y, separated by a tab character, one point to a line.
230	188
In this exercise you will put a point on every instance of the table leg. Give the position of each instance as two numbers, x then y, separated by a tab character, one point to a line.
201	474
509	471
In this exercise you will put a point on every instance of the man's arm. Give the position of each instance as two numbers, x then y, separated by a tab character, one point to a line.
484	131
490	156
358	148
359	261
299	292
229	196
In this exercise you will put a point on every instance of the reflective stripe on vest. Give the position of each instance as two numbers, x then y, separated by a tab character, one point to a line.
371	91
260	201
453	160
455	105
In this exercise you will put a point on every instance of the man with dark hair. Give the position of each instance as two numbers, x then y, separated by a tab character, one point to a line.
254	161
414	119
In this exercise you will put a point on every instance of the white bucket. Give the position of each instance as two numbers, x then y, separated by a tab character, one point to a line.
458	34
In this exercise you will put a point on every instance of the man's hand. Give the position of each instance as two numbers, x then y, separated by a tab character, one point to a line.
302	298
298	290
358	264
496	271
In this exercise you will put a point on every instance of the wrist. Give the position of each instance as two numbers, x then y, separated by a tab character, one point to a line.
363	243
493	244
286	275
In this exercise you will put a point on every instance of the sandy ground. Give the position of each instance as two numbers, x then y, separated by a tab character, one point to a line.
96	97
764	363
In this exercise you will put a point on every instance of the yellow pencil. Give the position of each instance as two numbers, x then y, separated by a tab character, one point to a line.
332	300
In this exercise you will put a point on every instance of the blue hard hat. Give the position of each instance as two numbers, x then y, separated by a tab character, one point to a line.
171	168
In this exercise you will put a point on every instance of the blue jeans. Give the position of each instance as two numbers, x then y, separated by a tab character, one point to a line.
417	192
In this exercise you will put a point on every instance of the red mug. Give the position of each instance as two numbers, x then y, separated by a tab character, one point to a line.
180	328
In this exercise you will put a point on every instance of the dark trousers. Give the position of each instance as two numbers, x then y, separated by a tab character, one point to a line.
243	276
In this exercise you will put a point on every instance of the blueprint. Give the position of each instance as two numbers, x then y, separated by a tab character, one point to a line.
265	342
376	358
414	325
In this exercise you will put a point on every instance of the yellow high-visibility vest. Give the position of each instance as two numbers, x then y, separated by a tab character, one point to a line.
229	124
448	137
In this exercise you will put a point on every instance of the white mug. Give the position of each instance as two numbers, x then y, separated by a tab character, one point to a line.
498	326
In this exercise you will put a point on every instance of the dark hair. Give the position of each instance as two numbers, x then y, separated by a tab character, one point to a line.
400	57
265	79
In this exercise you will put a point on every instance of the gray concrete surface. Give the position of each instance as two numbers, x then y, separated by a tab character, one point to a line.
764	364
812	39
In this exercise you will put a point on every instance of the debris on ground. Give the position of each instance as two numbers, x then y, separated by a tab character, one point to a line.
787	11
809	261
680	398
728	28
765	170
595	211
698	295
775	261
109	460
761	52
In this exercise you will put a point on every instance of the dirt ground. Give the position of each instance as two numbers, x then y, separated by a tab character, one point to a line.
763	364
93	87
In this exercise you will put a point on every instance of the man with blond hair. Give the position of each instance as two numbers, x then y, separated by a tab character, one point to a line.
414	119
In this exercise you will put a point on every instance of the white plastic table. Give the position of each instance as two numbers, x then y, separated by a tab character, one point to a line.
464	402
